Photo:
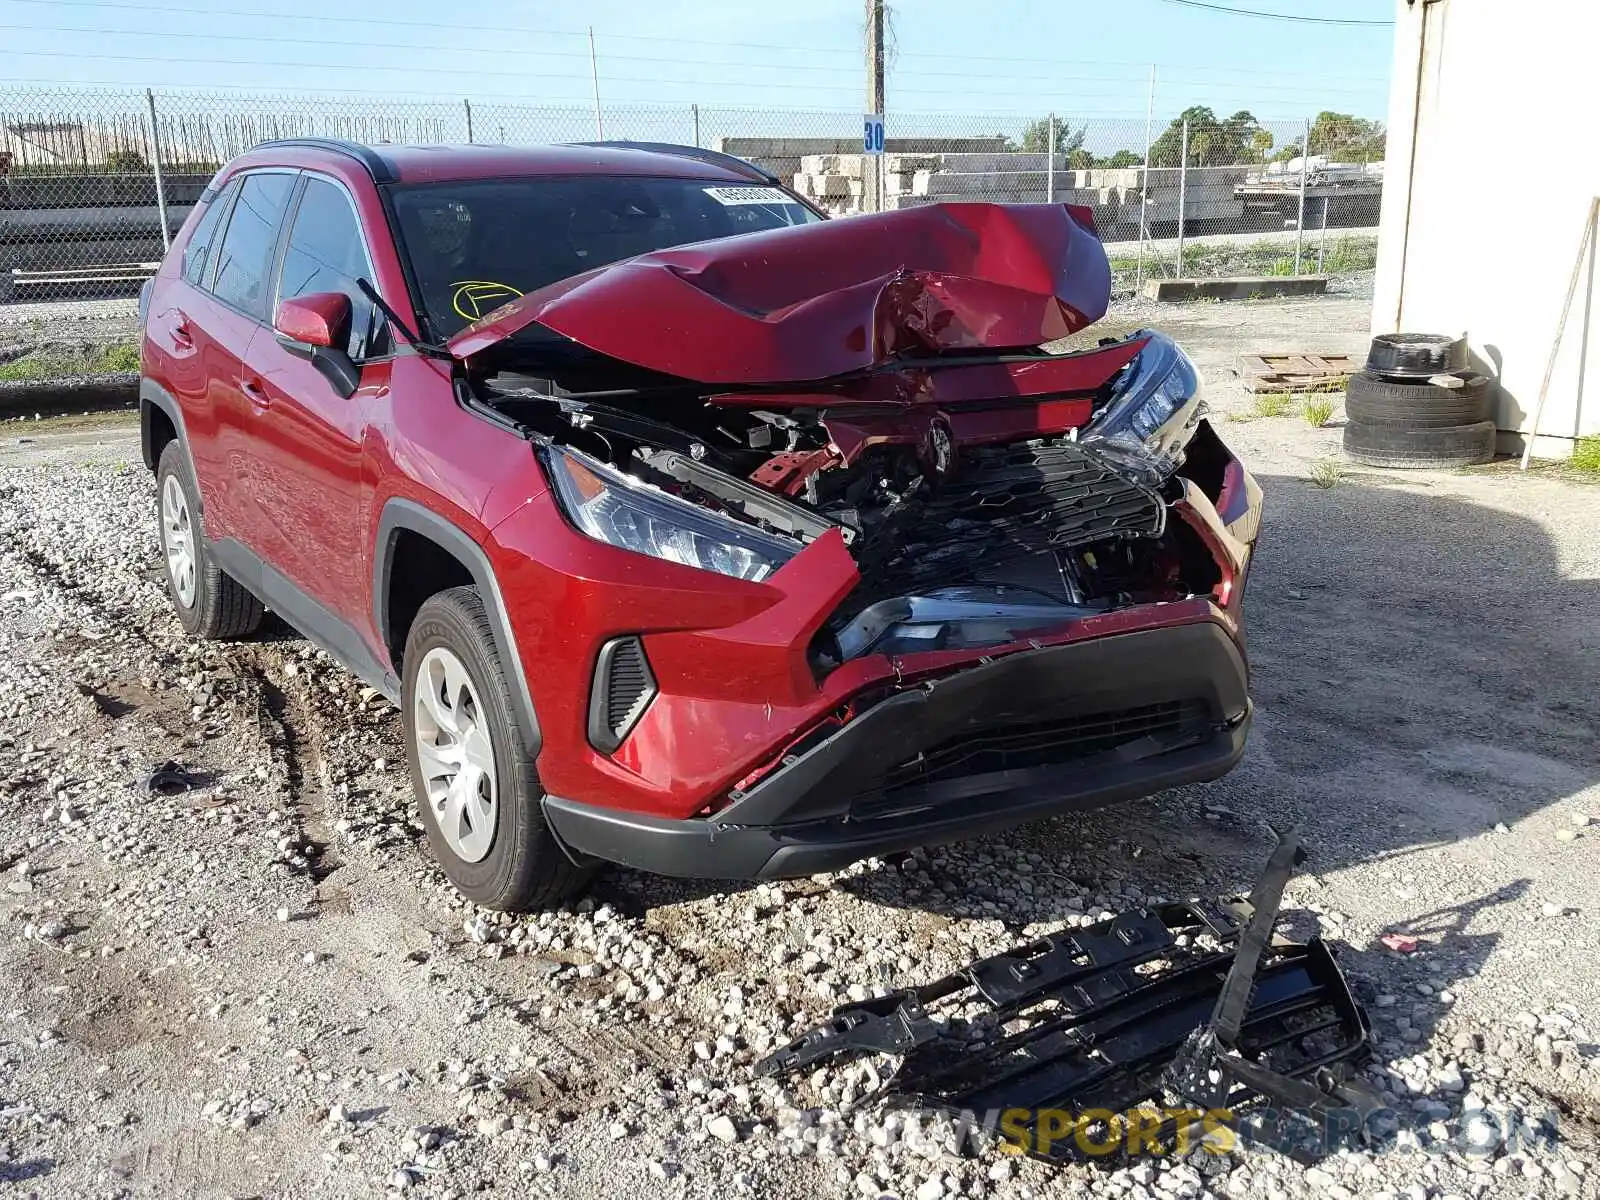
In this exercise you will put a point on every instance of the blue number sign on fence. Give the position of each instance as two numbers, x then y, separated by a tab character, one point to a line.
872	133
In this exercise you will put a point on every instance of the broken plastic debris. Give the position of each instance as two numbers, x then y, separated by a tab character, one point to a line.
169	779
1403	942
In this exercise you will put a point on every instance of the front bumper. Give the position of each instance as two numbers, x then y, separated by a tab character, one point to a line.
1050	730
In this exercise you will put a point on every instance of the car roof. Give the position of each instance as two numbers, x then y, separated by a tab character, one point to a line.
431	164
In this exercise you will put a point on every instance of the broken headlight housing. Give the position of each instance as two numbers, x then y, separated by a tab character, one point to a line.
1152	413
625	512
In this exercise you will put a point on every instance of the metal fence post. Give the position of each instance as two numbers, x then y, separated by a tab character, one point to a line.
467	105
1050	162
1300	219
695	109
1322	244
1144	183
155	164
1183	191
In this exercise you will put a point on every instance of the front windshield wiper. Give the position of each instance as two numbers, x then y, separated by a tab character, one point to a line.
428	349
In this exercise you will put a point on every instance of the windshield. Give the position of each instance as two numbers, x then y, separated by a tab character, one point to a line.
477	243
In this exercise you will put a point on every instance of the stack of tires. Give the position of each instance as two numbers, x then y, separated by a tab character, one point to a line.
1418	405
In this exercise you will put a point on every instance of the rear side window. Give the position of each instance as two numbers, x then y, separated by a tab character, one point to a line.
198	252
326	253
244	262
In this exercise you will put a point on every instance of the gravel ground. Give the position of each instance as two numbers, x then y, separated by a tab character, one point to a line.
265	987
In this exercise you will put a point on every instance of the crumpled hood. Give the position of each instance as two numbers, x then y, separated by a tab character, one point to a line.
808	302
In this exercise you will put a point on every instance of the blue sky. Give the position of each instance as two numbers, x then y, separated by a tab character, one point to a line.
948	57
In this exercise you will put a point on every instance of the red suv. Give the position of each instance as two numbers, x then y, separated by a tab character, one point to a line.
690	530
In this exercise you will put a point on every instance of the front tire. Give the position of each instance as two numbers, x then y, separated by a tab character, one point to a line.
473	777
209	602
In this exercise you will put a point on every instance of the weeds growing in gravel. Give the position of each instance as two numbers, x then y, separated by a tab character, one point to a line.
1586	454
40	368
1317	411
1325	474
1273	404
120	358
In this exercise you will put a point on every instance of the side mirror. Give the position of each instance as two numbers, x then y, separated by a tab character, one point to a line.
320	320
317	328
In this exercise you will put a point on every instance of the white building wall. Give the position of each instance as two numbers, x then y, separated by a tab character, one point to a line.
1495	109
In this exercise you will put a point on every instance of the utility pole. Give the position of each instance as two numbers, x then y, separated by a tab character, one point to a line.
872	165
594	73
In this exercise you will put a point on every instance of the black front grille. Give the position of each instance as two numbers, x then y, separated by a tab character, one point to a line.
623	689
1002	505
1048	743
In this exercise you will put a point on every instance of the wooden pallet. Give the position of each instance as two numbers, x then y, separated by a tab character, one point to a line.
1296	372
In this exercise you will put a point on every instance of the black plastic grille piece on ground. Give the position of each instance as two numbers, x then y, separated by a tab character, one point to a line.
1117	1016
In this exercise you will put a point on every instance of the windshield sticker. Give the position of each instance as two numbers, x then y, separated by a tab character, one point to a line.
474	299
748	195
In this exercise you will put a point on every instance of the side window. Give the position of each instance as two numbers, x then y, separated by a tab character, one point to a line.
326	253
198	252
244	262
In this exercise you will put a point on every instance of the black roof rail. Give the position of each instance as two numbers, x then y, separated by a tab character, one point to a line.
714	157
380	168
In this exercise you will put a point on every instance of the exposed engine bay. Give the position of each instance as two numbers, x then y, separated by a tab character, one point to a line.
967	531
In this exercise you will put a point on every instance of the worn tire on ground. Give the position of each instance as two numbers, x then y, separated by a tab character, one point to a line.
524	867
223	608
1416	355
1372	401
1389	446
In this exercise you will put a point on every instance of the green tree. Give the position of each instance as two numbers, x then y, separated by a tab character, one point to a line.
1212	142
1123	158
126	162
1036	137
1345	138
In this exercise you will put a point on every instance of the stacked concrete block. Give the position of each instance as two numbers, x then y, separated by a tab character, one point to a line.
784	156
1116	196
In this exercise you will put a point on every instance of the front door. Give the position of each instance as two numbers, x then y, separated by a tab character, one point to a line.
241	290
309	479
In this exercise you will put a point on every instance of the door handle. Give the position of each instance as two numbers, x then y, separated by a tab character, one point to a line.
256	393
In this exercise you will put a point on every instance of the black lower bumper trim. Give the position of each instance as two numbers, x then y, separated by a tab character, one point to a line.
811	817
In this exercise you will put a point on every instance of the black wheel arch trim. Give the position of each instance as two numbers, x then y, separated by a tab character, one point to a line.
153	395
402	514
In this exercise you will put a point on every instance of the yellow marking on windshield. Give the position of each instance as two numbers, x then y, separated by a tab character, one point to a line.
473	299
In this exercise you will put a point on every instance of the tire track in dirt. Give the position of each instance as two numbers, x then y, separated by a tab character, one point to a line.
294	733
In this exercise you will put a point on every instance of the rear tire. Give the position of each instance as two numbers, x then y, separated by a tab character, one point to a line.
1386	446
1374	401
474	779
209	602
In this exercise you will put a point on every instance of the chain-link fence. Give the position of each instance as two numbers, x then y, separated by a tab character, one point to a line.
93	184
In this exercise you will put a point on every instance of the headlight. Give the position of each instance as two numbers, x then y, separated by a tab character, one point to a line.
621	511
1153	412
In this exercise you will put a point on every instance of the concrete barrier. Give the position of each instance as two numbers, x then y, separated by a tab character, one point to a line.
1239	287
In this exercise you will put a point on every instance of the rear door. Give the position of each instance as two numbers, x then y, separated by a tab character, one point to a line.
201	344
241	287
308	481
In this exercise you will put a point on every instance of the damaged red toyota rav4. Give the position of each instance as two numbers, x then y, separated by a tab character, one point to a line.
690	530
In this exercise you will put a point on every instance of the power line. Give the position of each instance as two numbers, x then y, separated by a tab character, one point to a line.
1074	80
552	105
633	37
1273	16
1067	91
